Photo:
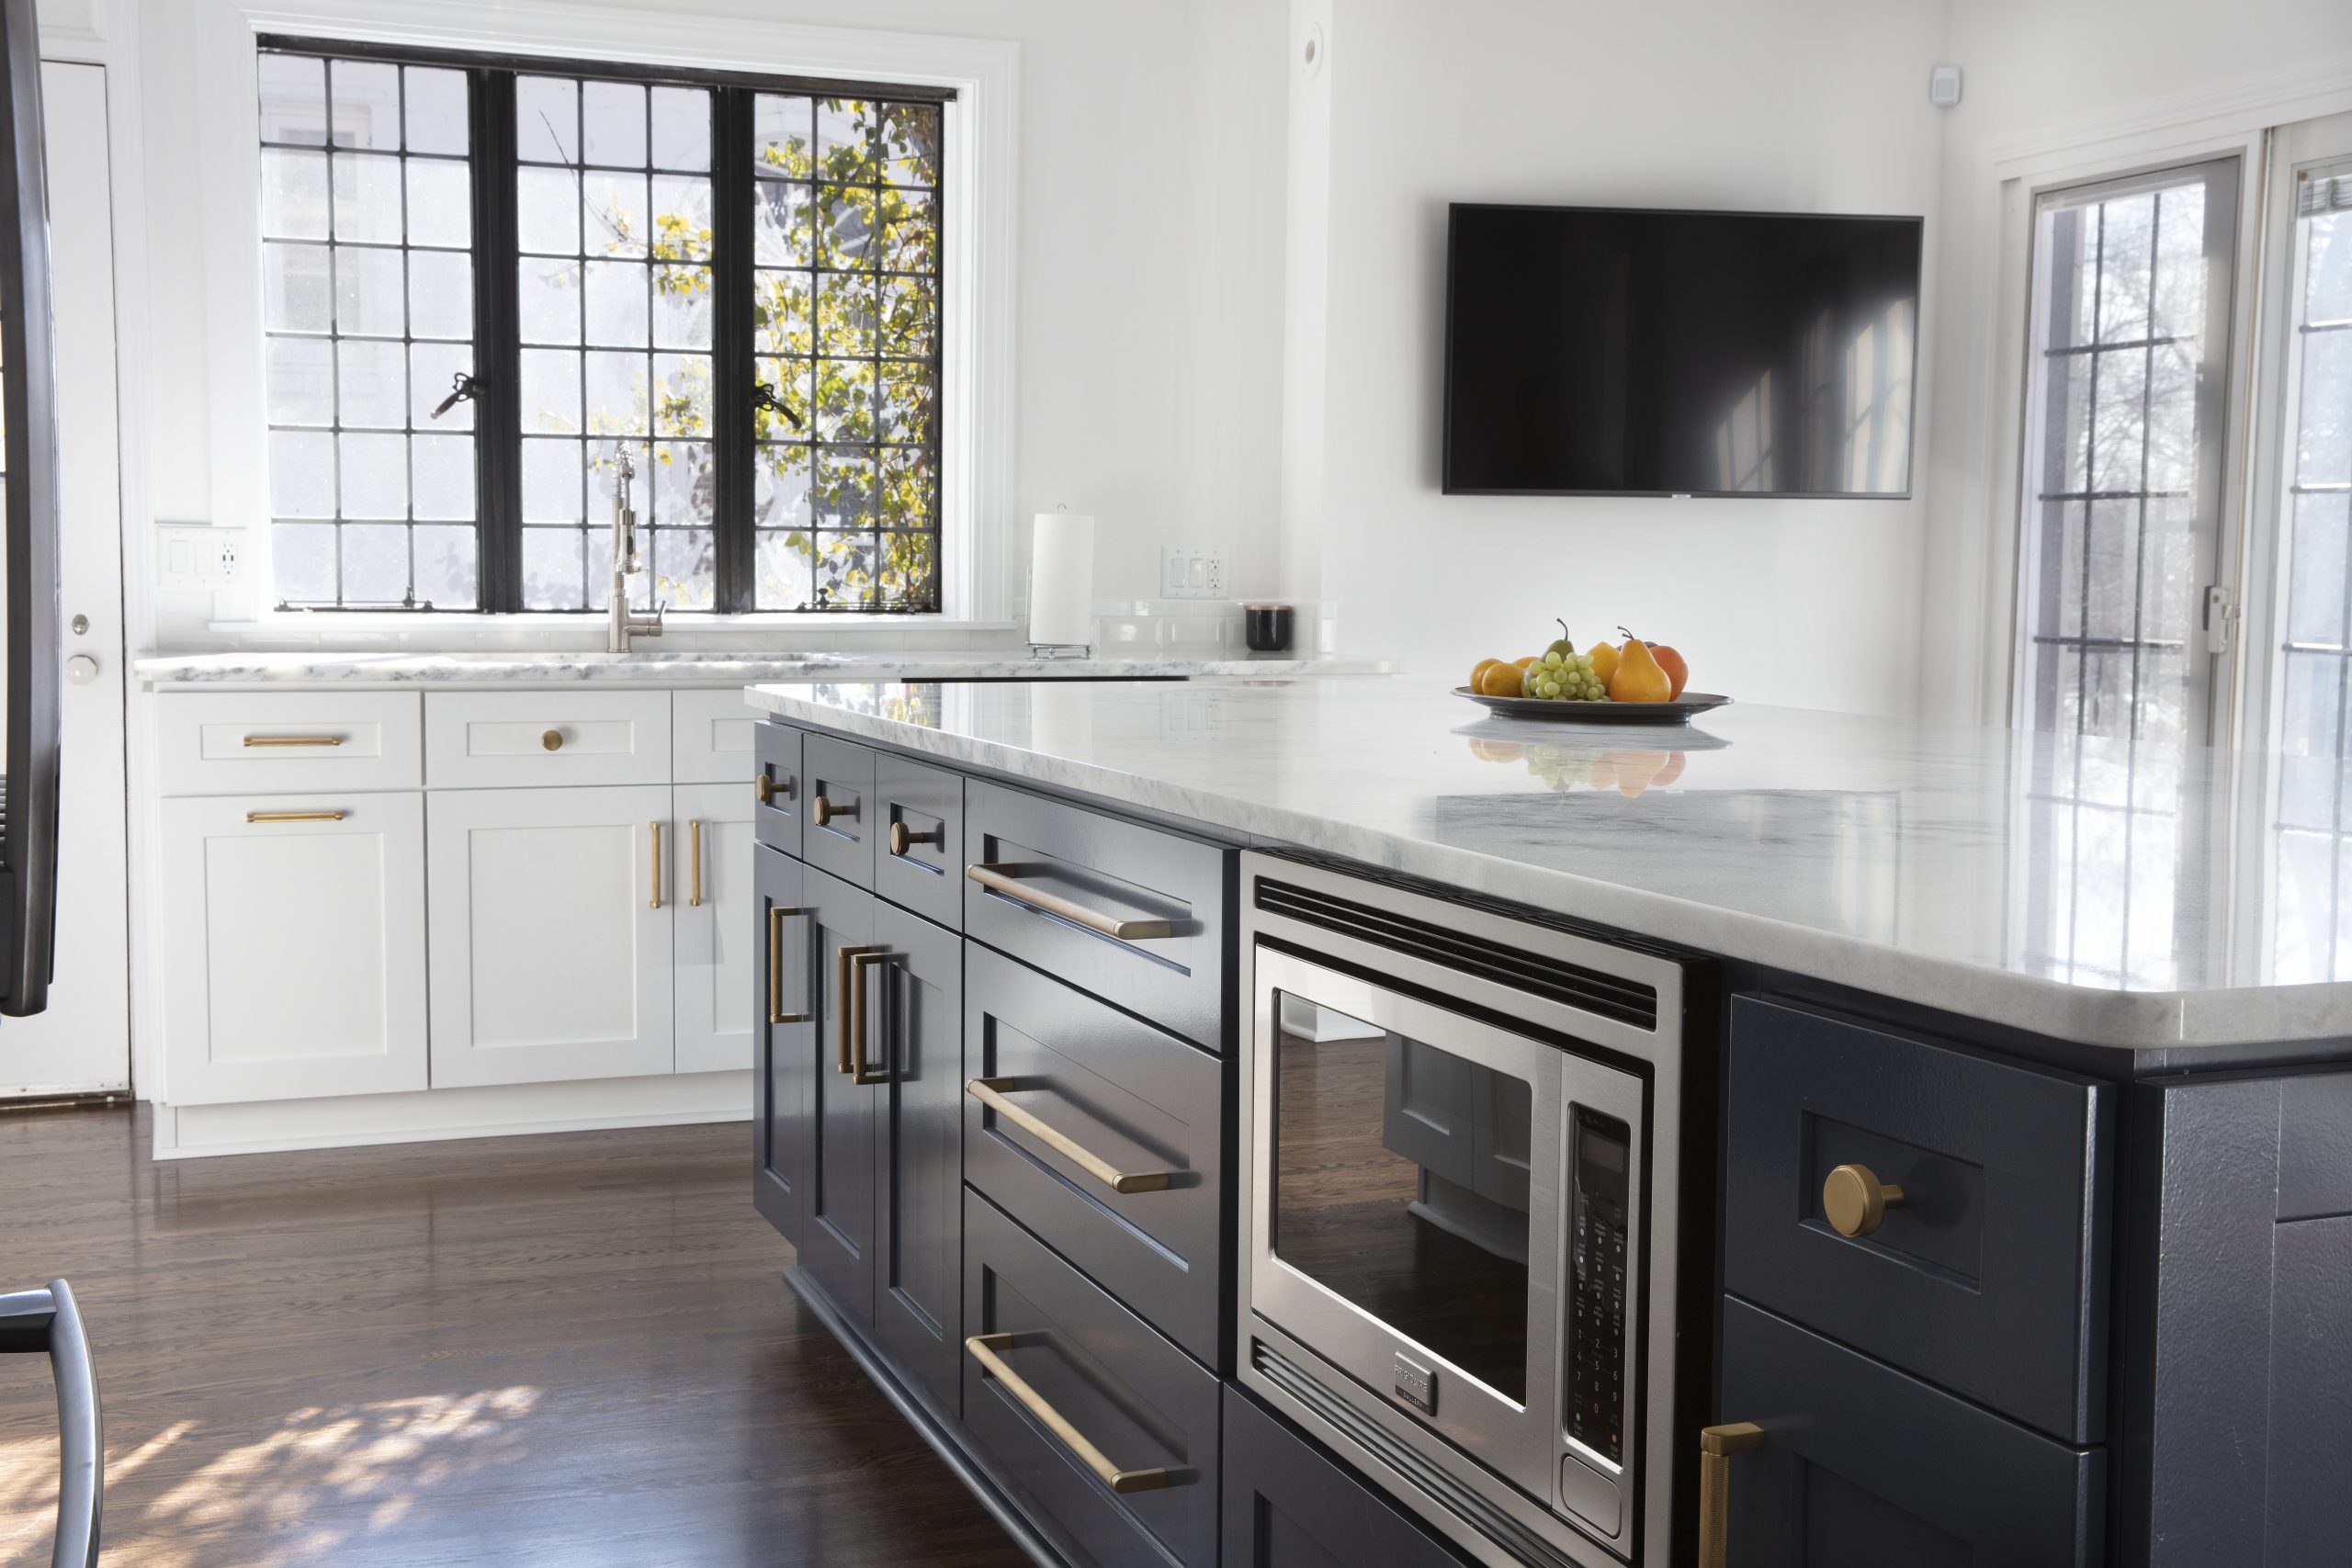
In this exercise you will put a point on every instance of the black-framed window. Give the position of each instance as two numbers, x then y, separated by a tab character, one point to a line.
735	278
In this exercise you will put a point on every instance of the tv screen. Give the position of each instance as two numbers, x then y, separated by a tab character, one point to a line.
1624	351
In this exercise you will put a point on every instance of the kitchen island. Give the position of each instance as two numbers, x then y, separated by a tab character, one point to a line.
2008	1109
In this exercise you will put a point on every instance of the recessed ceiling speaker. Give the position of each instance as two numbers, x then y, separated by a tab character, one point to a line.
1943	86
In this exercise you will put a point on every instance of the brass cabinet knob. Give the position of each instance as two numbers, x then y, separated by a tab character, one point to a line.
903	838
552	740
767	789
1854	1200
821	811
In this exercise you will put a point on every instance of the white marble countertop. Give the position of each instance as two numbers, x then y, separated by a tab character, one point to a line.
2059	884
655	666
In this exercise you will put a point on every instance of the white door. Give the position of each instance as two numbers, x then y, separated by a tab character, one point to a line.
550	933
294	949
716	967
83	1041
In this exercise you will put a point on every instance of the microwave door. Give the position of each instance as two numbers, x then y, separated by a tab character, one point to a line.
1406	1224
29	642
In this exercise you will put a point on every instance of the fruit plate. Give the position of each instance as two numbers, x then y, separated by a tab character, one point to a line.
1682	710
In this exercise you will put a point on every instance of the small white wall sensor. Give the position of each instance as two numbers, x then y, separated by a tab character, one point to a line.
1943	86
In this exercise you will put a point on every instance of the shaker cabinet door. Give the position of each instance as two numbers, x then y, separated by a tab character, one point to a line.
783	1002
717	957
837	1198
293	944
913	1045
551	921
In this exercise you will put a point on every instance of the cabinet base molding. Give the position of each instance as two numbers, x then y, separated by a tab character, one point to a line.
188	1132
926	1424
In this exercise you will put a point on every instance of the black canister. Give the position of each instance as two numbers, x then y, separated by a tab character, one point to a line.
1266	627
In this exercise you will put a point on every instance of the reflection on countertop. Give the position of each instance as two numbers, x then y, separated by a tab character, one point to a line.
2061	883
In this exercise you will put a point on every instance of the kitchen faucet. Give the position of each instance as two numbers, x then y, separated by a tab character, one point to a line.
620	625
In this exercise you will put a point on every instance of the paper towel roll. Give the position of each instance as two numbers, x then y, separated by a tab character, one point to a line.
1061	579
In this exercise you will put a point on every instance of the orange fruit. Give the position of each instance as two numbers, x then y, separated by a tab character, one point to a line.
1499	680
1677	670
1605	662
1479	673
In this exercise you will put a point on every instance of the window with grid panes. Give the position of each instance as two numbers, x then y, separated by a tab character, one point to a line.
527	269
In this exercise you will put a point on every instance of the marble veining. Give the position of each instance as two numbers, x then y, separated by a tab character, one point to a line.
2059	883
691	668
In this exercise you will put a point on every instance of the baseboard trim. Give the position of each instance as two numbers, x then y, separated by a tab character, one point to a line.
943	1442
191	1132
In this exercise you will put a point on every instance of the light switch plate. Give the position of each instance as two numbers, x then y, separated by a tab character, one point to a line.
1189	571
198	556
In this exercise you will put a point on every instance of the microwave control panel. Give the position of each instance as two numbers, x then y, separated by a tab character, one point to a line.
1596	1404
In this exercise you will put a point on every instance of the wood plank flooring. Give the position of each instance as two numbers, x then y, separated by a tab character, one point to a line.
568	1349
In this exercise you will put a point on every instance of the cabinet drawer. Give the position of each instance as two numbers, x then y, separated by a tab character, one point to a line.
1132	1106
1124	910
775	787
839	833
1989	1277
1095	1374
1290	1505
492	739
1861	1464
289	742
919	838
710	736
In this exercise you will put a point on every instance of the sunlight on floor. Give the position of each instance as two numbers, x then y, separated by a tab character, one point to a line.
322	1477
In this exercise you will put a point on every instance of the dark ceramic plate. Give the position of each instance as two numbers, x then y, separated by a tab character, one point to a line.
1682	710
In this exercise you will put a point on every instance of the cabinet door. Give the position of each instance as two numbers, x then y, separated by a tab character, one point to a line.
778	932
1289	1505
551	925
293	946
917	1046
717	959
837	1198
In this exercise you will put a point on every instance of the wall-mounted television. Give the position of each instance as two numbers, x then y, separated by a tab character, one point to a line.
1614	351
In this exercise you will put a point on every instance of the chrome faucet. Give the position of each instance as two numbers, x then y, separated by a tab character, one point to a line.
620	625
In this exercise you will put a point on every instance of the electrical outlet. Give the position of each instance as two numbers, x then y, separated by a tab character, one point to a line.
197	556
1188	572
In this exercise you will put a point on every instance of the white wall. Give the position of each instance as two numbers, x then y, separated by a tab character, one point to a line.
2106	83
1150	307
1797	105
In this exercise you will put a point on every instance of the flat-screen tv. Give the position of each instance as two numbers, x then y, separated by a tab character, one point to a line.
1613	351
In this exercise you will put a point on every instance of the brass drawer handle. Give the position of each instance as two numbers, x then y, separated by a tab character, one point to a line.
768	790
1002	879
552	740
293	815
903	838
693	858
861	1071
842	956
1854	1199
991	1093
1716	1445
777	915
821	810
293	739
655	829
988	1350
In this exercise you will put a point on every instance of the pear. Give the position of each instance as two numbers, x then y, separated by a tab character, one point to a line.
1563	645
1638	678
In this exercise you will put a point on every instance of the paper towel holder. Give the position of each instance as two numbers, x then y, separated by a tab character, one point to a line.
1059	630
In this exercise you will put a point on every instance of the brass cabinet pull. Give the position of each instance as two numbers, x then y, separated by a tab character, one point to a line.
821	810
693	858
552	740
767	789
293	815
293	739
842	959
1854	1199
903	838
860	1070
655	829
1004	879
1716	1445
777	915
988	1350
991	1093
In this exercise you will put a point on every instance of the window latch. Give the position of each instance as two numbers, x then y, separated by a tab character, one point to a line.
2220	619
462	388
763	397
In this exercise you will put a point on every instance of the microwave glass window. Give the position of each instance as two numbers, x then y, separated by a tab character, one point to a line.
1401	1185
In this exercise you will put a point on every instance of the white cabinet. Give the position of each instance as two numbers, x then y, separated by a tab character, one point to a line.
550	920
716	968
293	946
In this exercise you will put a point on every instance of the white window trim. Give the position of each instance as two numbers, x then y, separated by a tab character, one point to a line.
978	542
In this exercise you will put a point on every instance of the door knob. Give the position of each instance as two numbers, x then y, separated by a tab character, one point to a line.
552	740
81	669
1854	1200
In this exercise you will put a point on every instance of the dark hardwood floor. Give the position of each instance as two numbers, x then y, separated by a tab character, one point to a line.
568	1350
